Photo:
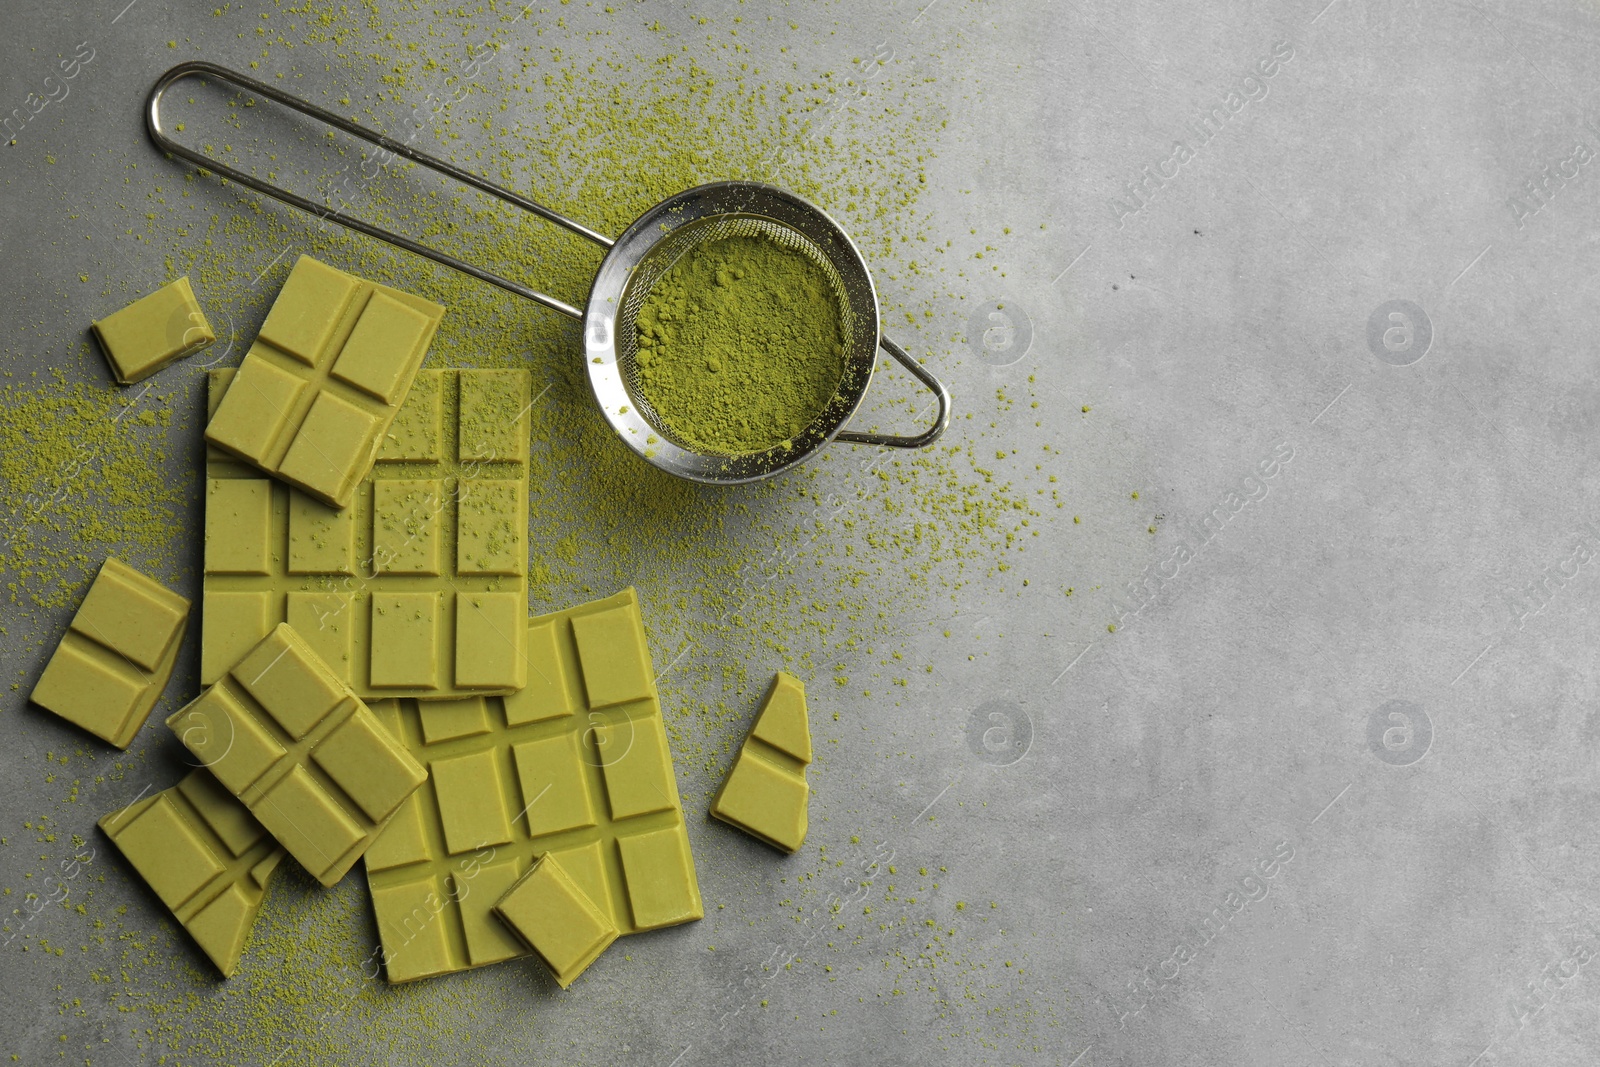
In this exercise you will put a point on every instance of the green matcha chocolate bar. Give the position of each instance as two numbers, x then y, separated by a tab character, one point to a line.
316	393
557	920
574	765
153	331
419	588
204	855
117	655
765	794
303	753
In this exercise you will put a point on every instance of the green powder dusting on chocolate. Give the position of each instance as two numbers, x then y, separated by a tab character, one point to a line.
740	344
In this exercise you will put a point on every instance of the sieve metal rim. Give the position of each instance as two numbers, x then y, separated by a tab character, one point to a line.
604	326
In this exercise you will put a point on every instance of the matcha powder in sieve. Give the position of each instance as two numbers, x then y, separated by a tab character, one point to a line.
741	345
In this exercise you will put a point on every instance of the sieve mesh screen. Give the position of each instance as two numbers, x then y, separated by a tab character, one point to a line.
664	255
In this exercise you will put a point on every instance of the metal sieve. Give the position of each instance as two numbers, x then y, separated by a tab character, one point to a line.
633	263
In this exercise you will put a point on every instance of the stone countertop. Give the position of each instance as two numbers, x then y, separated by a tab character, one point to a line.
1294	772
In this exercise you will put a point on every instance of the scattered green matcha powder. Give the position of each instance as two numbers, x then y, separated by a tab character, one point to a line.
828	571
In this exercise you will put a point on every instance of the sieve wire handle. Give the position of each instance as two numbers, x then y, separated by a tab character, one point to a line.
940	394
198	68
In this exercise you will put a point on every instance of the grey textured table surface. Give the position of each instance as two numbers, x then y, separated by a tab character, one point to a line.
1298	773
